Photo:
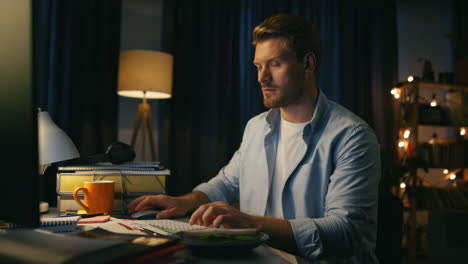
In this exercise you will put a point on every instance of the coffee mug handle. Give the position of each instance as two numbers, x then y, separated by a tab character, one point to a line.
75	196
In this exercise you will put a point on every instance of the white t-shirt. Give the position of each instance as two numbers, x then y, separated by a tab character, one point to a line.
290	135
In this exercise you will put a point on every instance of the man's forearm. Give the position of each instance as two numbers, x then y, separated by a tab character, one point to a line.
195	199
279	230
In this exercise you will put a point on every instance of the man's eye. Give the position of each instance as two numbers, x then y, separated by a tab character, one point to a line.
275	63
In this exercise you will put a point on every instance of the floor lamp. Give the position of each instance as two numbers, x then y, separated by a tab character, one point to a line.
145	74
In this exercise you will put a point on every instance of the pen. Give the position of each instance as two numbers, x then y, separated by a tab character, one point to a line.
148	232
126	226
82	215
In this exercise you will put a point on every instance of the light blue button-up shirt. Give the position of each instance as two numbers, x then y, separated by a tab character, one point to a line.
330	193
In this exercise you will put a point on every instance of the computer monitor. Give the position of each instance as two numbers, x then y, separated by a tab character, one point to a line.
19	203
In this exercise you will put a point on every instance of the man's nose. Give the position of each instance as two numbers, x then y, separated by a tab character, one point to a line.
264	76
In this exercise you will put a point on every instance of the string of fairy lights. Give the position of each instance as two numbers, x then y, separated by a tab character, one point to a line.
405	141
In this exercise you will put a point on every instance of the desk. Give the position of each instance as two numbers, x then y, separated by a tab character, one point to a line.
261	254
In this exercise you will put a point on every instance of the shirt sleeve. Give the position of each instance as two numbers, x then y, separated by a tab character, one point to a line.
349	223
225	185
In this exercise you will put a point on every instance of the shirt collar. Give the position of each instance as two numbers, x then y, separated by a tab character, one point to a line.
273	115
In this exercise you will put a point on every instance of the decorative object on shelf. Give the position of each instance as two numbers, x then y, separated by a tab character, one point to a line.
427	71
454	103
145	74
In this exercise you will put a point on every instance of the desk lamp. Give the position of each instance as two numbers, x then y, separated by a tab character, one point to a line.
54	146
145	74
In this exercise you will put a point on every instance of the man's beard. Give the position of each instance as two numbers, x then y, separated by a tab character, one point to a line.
282	99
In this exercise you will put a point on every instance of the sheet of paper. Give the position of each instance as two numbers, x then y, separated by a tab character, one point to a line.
117	226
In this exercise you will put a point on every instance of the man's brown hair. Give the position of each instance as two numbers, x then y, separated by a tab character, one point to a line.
300	34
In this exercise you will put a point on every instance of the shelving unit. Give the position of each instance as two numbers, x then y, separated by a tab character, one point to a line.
408	123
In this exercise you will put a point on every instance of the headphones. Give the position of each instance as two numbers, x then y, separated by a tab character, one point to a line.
116	153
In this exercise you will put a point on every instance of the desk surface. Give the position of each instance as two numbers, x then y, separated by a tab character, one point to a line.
260	254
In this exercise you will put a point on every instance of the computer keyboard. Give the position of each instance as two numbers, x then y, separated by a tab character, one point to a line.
172	226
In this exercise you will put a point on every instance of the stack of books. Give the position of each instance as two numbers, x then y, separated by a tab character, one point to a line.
131	181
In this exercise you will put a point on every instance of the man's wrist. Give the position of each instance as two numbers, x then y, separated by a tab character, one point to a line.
195	199
254	222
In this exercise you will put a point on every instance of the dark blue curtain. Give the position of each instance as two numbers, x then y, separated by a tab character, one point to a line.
76	49
215	89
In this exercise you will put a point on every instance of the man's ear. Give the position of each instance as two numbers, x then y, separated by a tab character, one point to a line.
310	62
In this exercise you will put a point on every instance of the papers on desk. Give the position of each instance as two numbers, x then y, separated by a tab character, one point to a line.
118	226
168	227
163	227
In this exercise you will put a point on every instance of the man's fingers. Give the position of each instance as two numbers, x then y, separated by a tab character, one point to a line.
194	219
209	215
205	214
219	220
144	204
132	204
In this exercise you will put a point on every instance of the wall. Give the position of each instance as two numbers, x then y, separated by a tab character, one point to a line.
141	29
423	27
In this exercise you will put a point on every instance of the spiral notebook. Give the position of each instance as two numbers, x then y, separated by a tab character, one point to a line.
60	224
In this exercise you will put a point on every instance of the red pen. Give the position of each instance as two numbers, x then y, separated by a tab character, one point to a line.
126	226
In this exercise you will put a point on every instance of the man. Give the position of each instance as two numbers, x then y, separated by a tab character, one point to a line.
307	170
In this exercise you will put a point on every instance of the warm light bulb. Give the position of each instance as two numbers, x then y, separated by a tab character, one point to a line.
445	171
462	131
394	91
410	78
406	133
452	176
397	96
433	101
402	185
401	143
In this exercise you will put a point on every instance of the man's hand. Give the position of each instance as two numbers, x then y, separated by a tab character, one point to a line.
170	206
218	213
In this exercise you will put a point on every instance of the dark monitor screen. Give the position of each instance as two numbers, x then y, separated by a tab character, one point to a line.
19	173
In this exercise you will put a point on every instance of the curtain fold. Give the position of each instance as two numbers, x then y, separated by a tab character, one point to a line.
203	134
215	88
76	49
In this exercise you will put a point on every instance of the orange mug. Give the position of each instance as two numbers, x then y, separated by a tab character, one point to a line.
98	196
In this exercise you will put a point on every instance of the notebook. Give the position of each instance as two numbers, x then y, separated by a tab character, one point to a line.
60	224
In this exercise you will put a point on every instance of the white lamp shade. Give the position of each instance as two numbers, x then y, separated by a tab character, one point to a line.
145	73
54	143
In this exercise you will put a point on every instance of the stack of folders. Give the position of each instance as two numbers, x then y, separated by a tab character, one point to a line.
131	181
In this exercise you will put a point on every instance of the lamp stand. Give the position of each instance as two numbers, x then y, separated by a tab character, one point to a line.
143	116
